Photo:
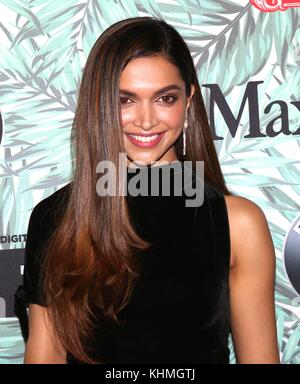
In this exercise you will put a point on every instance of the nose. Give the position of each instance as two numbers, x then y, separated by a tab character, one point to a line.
145	117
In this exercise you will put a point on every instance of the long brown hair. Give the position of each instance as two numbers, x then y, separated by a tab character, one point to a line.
91	255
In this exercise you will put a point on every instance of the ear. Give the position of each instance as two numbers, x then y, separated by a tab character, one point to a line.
190	97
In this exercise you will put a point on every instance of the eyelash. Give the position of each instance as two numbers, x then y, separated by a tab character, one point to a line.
171	96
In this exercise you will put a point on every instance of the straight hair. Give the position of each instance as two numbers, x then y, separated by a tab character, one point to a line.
90	263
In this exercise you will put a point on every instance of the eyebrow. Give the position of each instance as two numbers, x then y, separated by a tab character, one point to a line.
159	91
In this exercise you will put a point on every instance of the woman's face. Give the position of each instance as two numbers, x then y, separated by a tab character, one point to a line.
153	105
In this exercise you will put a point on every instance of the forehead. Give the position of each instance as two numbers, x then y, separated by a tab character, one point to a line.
149	73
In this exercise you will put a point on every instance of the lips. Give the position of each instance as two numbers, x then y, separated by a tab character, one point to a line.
145	141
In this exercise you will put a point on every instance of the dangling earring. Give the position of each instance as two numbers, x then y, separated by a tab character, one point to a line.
185	125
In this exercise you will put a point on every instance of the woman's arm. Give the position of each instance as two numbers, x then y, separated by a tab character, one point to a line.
252	279
41	346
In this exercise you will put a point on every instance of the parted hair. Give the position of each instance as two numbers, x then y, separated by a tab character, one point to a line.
90	265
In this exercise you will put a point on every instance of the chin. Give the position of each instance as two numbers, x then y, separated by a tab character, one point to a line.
143	156
143	161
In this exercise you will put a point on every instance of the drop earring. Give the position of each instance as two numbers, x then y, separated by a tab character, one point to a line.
185	125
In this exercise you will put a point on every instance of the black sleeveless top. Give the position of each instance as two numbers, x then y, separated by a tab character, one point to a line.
179	310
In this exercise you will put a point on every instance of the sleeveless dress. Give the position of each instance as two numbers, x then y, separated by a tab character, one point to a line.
179	311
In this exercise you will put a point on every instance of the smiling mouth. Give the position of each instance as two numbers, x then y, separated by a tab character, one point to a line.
145	140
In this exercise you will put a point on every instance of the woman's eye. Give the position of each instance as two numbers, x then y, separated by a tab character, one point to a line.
168	99
123	100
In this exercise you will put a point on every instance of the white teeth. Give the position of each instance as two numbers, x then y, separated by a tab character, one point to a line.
145	139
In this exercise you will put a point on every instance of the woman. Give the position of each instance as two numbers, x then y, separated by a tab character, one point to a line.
145	279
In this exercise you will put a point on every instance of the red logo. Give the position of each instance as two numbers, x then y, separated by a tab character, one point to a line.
275	5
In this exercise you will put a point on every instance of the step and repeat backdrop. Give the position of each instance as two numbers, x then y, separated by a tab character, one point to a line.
247	56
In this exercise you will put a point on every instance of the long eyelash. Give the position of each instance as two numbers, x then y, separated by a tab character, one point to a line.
173	96
126	98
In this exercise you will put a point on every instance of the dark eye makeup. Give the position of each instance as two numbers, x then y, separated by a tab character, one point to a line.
168	96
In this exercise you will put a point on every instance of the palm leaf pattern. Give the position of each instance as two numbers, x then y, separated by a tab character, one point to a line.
43	48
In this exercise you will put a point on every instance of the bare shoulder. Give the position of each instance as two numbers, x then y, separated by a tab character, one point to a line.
252	282
248	227
240	208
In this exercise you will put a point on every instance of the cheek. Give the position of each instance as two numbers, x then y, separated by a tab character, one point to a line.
173	117
126	117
